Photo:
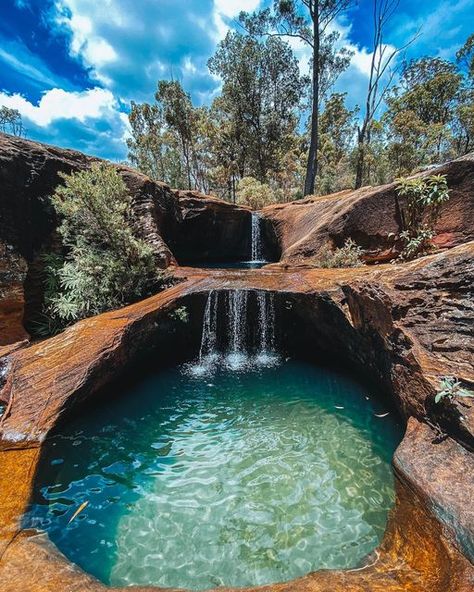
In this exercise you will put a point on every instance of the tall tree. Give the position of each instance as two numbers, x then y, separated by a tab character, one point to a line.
380	78
260	99
170	138
337	126
178	114
421	111
307	20
465	57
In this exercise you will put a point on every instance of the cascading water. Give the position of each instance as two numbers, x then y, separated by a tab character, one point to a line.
227	340
237	330
266	325
257	249
209	328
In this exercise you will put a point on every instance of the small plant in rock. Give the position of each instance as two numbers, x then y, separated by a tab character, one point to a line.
180	314
105	265
450	388
350	255
423	198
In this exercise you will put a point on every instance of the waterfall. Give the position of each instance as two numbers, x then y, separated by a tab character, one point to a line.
237	356
256	235
209	327
237	300
226	340
266	322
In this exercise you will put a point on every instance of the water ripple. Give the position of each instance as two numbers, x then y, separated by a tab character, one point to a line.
252	478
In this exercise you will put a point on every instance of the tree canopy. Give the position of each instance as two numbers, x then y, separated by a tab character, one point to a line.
268	125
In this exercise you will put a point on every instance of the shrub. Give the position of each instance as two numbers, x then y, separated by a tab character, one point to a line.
450	388
252	193
420	212
105	265
350	255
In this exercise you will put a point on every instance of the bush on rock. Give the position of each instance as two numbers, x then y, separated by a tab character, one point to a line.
105	265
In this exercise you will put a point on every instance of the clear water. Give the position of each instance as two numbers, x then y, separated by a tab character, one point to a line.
236	478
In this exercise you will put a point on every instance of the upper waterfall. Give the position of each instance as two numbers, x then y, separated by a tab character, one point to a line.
256	236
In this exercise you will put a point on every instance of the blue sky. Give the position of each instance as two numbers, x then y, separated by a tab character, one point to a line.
72	67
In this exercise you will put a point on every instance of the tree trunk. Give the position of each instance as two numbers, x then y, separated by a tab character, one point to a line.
360	160
312	166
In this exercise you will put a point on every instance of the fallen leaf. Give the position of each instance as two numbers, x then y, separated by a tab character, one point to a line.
78	511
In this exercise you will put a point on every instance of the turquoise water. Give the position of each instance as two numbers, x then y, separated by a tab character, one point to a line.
227	479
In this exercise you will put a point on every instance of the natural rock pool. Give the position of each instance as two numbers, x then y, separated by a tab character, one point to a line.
229	478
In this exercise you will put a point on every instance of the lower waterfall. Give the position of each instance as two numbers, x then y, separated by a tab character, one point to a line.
238	331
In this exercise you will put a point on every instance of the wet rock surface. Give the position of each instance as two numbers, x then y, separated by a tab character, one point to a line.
208	229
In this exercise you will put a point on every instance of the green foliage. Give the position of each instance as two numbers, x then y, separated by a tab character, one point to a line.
450	388
11	121
308	21
261	93
256	195
423	114
337	128
465	56
258	125
105	265
180	314
350	255
423	198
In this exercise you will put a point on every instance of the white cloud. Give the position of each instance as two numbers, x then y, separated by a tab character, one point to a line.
231	8
90	121
85	43
228	9
60	104
128	45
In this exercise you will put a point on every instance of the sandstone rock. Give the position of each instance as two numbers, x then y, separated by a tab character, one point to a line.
368	215
29	173
12	276
383	319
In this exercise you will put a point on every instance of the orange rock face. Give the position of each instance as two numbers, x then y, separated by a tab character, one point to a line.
368	216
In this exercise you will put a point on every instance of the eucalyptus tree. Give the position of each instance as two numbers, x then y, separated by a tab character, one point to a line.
178	115
259	103
309	21
11	121
465	57
422	112
381	77
337	127
170	138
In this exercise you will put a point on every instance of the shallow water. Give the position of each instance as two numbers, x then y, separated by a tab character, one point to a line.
234	478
